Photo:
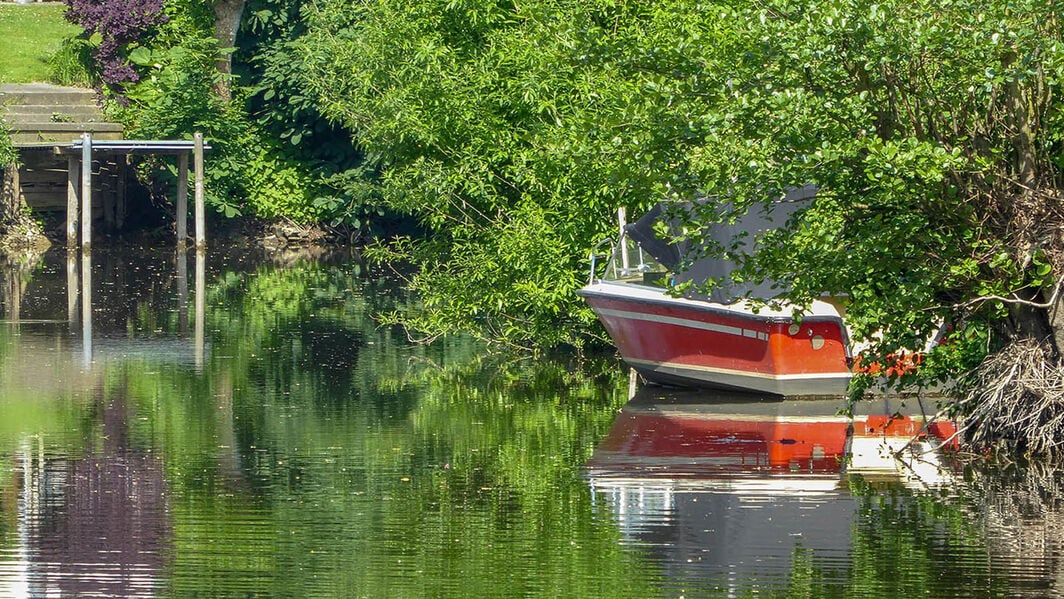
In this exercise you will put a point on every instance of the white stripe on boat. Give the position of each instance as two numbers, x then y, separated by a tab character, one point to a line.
684	322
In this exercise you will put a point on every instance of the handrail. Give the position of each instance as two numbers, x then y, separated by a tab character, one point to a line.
594	255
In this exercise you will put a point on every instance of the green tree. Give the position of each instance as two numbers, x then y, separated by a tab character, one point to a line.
512	131
932	132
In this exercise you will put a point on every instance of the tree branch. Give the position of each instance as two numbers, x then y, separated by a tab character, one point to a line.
1014	299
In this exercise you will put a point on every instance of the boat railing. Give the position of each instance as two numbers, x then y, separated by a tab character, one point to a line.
596	253
619	265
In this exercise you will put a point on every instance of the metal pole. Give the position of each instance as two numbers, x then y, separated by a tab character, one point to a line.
86	191
182	200
201	225
73	174
72	286
622	221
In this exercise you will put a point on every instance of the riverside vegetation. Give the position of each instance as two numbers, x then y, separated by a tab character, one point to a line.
510	131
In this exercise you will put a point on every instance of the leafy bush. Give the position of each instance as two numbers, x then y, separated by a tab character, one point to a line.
512	133
8	153
931	130
120	24
339	187
73	63
272	156
247	172
174	99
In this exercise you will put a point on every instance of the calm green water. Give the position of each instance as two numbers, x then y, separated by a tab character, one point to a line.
283	444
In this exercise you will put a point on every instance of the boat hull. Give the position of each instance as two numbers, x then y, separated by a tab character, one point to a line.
694	343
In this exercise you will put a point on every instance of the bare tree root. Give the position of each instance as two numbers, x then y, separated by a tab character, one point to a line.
1017	401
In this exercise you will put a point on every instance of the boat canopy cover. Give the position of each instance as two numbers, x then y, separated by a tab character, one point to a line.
740	237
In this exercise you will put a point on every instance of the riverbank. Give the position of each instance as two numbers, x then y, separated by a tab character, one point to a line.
238	232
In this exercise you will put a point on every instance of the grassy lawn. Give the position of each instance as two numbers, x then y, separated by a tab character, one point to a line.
30	34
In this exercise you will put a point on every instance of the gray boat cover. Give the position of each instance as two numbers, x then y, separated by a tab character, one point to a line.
699	260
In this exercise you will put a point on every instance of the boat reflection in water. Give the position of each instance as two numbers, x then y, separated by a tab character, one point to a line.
729	489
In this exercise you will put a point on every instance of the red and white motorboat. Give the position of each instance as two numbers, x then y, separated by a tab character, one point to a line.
727	339
687	342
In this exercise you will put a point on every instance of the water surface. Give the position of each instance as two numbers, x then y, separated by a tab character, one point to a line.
240	427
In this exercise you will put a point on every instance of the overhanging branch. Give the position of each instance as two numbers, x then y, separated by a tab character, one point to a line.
1016	300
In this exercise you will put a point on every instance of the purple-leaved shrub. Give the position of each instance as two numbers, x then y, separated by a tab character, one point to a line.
119	23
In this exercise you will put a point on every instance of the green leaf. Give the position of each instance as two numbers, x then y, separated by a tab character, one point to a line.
141	56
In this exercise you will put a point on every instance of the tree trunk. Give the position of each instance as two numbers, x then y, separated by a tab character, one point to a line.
1027	211
227	14
1056	325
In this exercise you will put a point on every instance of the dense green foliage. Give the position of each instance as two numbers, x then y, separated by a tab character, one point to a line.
343	190
8	155
513	130
512	133
932	132
263	162
177	96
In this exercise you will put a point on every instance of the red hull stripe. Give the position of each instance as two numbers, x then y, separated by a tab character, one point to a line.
684	322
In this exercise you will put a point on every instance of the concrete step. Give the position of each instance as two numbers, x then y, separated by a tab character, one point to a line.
41	115
40	93
30	134
52	113
77	127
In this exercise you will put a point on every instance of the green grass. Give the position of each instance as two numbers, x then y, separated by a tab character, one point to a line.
30	33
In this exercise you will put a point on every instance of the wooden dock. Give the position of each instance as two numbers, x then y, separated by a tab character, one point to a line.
77	163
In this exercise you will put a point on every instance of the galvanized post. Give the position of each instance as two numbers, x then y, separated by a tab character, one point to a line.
86	191
199	334
72	286
201	225
86	309
73	175
182	200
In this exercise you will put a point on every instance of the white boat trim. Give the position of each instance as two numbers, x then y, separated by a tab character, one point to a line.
684	322
778	419
643	293
605	480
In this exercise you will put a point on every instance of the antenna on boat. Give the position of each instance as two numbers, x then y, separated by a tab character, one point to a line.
622	221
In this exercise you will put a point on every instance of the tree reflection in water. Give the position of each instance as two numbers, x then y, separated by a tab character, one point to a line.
308	451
